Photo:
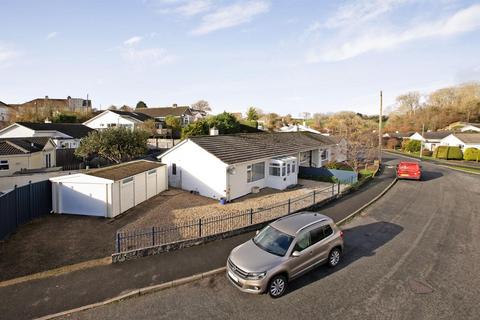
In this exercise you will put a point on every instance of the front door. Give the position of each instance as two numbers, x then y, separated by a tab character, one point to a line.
175	176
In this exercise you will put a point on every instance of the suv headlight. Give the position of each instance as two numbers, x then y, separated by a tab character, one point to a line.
256	275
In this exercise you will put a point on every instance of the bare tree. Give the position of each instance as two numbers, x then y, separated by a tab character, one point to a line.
201	105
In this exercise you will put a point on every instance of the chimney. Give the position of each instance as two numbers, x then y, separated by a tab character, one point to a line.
214	131
46	97
174	105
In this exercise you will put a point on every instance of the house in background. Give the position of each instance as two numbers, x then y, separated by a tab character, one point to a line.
184	113
463	126
109	191
297	128
20	154
231	166
117	118
431	139
40	105
462	139
64	135
5	114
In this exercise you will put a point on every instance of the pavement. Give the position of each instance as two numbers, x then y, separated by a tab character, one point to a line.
67	291
413	254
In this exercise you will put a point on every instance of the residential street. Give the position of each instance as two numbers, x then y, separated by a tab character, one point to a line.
414	254
75	289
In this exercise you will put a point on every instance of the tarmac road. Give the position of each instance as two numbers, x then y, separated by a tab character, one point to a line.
414	254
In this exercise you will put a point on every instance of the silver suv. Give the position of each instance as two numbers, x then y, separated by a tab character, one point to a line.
284	250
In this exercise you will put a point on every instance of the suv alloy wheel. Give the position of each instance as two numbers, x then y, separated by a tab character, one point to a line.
277	286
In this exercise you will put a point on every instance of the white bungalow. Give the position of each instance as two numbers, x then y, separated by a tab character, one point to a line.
231	166
462	140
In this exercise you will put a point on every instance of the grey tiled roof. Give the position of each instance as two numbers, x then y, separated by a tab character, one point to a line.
166	111
9	145
436	134
236	148
74	130
471	138
134	114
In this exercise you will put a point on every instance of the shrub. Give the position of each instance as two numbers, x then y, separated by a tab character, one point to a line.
411	145
454	153
441	152
427	153
338	166
471	154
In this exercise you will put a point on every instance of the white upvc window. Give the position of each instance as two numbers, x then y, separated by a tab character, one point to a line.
4	165
274	169
255	171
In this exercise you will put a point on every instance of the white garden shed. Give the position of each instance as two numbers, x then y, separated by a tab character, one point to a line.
109	191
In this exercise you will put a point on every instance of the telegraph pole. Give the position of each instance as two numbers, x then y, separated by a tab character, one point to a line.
421	141
380	129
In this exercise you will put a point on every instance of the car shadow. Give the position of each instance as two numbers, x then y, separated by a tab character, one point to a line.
360	241
431	175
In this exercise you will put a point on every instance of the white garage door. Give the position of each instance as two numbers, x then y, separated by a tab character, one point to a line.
151	183
84	199
127	194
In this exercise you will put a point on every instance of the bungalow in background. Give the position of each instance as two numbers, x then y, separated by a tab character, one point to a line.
64	135
231	166
430	139
184	113
20	154
297	128
463	127
117	118
462	140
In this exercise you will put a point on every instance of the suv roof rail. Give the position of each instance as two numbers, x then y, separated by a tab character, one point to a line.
311	224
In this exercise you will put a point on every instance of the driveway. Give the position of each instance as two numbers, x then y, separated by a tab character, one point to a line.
414	254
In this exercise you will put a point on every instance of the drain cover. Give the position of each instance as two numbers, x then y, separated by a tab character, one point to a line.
420	287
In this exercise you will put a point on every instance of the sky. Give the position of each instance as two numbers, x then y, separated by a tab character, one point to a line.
283	56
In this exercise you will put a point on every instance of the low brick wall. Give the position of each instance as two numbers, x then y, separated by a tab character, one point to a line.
154	250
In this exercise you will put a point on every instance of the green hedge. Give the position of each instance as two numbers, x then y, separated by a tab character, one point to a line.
411	145
471	154
454	153
448	153
441	152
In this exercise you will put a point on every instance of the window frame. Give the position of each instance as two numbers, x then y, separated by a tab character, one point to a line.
4	165
252	174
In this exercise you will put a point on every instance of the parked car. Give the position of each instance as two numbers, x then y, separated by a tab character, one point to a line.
409	170
284	250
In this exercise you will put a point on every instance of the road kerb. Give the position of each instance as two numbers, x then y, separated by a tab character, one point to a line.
58	271
353	214
138	292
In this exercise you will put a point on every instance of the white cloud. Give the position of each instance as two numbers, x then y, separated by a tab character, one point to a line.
230	16
144	56
52	35
7	55
360	11
464	20
185	8
133	41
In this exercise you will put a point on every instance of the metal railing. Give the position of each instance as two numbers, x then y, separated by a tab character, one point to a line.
208	226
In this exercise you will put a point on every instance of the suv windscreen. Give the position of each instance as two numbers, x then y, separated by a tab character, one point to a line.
273	241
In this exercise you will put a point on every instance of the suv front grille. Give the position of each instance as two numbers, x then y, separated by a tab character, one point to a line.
237	270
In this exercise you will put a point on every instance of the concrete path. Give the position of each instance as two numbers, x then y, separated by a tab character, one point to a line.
51	295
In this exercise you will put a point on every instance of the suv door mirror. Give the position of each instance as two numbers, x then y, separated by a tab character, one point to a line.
296	254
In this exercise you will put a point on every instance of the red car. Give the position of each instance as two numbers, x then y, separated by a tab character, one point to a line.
409	170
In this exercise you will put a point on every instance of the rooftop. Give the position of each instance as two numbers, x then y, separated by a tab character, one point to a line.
9	146
468	137
124	170
134	114
164	111
236	148
74	130
436	134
